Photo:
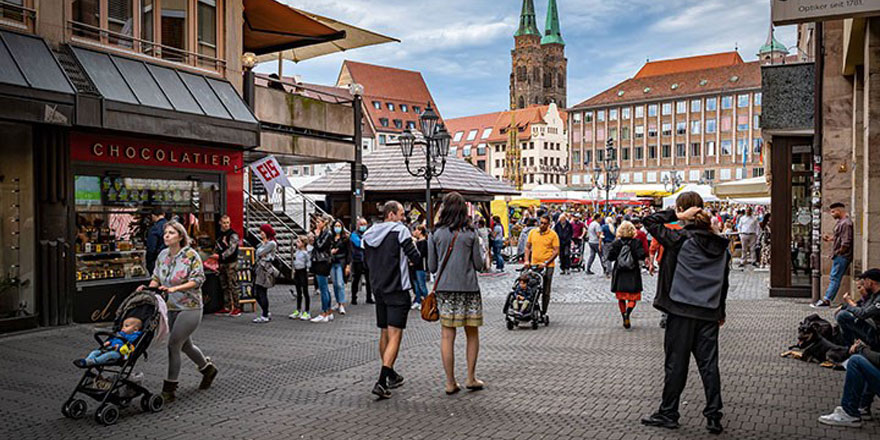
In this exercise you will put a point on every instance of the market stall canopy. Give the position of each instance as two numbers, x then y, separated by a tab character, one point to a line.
272	27
705	191
388	174
743	189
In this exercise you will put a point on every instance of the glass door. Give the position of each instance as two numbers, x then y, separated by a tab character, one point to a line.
801	215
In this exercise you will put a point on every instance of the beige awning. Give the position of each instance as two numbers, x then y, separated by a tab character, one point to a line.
353	38
745	188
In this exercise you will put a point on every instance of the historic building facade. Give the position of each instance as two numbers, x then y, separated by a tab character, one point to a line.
539	67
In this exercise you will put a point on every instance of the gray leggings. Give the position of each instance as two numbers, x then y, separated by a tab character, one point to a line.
183	324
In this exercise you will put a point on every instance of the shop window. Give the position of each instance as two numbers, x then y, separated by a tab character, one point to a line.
183	31
725	174
637	177
694	175
651	177
17	252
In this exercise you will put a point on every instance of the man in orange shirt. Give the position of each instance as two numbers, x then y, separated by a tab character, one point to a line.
542	248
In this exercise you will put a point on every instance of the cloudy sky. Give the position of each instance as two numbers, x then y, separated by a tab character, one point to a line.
462	47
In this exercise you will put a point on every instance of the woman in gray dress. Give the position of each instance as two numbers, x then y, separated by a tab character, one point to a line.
457	289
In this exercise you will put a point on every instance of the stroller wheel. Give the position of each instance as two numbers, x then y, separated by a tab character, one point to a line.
534	325
107	414
152	402
510	325
75	409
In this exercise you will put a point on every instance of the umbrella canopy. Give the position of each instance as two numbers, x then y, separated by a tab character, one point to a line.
272	28
745	188
705	191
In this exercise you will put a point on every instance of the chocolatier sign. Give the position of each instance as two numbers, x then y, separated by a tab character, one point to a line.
87	148
803	11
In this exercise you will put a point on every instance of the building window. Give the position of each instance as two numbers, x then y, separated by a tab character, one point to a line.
725	174
624	153
667	108
390	106
726	102
711	104
694	175
466	151
410	125
742	101
637	177
640	131
710	126
652	152
680	150
377	105
640	111
696	126
588	157
726	148
624	133
709	175
600	116
403	108
758	172
726	123
472	135
652	110
417	109
652	130
639	153
651	177
739	173
710	148
695	149
588	117
666	151
453	150
667	129
383	122
457	137
681	107
742	123
758	97
612	114
759	146
742	147
486	133
600	155
481	150
612	133
756	124
382	139
680	128
625	112
695	105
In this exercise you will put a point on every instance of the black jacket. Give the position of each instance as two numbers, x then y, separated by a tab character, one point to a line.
422	247
343	249
321	253
565	232
623	280
387	247
672	240
868	308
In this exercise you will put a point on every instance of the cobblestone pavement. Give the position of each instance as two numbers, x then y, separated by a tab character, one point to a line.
584	376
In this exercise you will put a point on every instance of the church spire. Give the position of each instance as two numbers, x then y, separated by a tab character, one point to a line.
551	28
527	22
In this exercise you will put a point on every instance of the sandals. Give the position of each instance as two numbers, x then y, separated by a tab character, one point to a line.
454	390
476	386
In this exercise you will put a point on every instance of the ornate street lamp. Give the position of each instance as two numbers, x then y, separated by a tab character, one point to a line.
671	181
436	141
612	172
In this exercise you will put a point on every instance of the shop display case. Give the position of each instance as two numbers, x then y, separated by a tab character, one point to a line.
111	266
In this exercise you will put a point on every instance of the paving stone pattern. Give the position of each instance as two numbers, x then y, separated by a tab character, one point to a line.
584	376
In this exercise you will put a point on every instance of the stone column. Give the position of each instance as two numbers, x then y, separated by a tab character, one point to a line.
871	146
858	181
837	108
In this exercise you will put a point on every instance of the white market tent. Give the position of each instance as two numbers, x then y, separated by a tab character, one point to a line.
705	191
756	187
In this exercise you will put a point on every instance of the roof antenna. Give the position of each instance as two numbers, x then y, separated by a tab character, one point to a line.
736	46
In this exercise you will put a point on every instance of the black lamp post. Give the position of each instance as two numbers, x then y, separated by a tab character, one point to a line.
612	171
671	181
436	142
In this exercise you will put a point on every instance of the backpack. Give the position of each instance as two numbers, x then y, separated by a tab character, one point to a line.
698	279
625	260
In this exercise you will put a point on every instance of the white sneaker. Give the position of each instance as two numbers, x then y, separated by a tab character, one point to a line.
414	306
341	310
294	315
319	318
335	306
261	320
305	316
329	317
840	418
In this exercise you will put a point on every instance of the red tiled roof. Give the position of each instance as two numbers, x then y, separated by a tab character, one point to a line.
679	65
687	83
468	123
388	85
523	118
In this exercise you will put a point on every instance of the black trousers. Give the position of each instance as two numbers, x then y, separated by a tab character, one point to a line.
565	256
301	282
358	269
262	297
686	336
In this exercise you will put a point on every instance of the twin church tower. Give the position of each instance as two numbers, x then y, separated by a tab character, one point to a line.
539	69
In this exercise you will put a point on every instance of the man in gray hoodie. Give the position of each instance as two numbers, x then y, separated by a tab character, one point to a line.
387	247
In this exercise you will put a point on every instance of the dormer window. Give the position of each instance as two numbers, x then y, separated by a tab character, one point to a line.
674	86
703	82
647	90
734	78
620	92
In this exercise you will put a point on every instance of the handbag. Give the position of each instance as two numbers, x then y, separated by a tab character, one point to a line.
429	303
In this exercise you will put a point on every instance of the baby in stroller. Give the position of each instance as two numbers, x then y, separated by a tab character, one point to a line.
117	347
522	295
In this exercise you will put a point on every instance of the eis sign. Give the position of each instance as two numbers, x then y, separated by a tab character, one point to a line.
803	11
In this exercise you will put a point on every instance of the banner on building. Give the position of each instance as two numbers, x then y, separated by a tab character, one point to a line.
804	11
270	173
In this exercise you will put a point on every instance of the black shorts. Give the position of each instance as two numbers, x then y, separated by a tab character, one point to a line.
393	315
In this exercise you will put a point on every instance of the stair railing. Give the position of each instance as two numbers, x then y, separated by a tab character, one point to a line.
277	219
291	202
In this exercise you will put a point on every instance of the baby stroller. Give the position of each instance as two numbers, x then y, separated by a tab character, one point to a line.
531	312
577	256
117	389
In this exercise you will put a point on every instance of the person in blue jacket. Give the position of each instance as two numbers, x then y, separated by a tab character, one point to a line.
155	241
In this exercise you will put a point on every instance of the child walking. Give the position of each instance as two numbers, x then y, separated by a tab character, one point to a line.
301	263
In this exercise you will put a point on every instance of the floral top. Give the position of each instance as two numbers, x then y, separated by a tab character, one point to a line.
174	271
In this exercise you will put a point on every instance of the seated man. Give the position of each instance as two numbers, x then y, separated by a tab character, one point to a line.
862	383
859	320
